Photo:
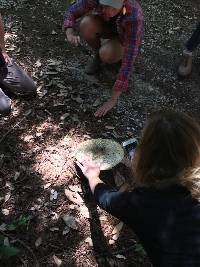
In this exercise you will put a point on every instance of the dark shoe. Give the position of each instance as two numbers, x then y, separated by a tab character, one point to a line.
5	104
185	68
93	66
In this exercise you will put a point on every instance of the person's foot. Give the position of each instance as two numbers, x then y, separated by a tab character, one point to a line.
5	104
185	68
93	66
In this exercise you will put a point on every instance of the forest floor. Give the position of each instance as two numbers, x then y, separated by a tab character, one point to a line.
37	178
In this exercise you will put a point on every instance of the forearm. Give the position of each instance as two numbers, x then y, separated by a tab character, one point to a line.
2	33
116	94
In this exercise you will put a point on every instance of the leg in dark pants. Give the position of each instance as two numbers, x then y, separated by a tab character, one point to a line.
17	82
185	67
14	81
5	101
5	104
194	40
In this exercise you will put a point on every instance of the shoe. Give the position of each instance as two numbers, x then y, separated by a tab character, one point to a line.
5	104
185	68
93	66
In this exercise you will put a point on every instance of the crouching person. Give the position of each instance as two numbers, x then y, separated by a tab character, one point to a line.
164	208
121	23
13	80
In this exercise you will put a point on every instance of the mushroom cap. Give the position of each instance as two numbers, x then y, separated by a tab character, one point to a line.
106	152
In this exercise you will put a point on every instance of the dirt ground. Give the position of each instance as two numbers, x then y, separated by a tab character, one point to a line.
38	139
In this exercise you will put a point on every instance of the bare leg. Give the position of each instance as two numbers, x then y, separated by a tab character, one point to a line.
91	27
111	51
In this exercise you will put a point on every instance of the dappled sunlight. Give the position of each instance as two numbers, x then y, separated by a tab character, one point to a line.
38	139
53	162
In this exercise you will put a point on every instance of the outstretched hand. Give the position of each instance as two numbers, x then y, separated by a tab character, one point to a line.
106	107
89	168
72	38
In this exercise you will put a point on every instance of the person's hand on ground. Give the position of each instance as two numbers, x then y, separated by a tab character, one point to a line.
107	106
89	168
71	37
6	57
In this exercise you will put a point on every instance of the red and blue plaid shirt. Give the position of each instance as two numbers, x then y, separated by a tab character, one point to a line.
130	27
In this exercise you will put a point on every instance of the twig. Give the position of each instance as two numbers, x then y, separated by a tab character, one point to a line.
17	124
24	245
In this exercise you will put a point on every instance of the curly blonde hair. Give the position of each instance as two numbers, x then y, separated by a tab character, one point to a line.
168	152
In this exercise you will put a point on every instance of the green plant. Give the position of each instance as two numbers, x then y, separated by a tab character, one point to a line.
7	250
22	220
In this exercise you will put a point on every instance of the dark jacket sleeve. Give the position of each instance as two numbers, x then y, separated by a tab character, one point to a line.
115	202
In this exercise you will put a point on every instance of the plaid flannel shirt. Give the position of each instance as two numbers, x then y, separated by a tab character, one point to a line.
130	27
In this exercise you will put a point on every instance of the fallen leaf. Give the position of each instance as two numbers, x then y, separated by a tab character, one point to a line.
61	86
70	221
38	63
75	118
47	185
78	99
51	73
55	215
66	230
102	218
109	127
111	242
10	186
64	116
84	212
54	194
119	256
72	206
5	212
3	227
53	32
28	112
57	261
75	188
38	242
54	62
96	102
74	197
63	93
16	176
89	241
7	196
53	229
6	242
116	230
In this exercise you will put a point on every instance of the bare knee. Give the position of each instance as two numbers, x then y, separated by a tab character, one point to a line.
106	54
111	52
90	25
